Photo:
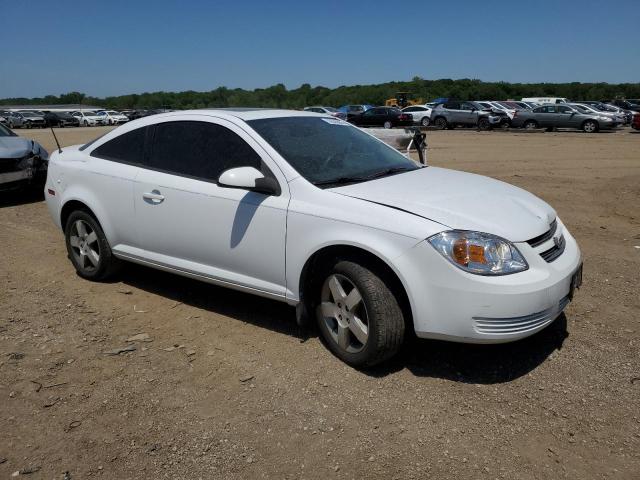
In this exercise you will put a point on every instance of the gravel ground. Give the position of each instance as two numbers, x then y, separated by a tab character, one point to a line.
219	384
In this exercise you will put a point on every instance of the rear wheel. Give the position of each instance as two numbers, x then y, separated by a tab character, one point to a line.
88	248
387	124
590	126
530	125
441	123
358	315
425	121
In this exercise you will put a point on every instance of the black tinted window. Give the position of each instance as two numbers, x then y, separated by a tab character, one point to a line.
452	106
199	149
126	148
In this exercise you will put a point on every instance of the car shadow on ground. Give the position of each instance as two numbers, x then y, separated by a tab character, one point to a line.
12	198
258	311
483	364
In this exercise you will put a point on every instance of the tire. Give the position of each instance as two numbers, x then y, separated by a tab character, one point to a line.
441	123
530	125
88	248
367	333
26	125
590	126
425	121
10	124
387	124
86	123
483	124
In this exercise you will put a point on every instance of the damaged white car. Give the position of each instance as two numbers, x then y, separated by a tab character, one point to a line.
307	209
22	161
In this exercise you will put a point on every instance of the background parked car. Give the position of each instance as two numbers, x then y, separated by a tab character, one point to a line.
421	114
111	117
562	116
22	161
60	119
25	120
353	110
3	117
468	114
334	112
625	104
88	118
619	117
387	117
635	124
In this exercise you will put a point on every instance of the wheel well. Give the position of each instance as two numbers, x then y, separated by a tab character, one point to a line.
328	255
439	117
590	120
70	207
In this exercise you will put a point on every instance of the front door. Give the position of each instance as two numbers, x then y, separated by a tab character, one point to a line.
188	222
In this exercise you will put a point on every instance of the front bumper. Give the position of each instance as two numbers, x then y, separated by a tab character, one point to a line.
449	303
16	172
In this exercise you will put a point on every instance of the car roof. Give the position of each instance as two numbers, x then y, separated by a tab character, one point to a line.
245	114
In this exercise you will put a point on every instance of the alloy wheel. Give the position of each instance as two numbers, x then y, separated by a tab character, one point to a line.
425	121
84	245
344	313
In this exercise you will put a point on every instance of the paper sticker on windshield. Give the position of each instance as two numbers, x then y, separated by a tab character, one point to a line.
334	121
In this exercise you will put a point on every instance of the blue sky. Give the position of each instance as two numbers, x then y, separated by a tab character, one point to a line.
116	47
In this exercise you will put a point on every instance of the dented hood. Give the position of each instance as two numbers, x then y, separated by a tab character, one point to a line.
460	201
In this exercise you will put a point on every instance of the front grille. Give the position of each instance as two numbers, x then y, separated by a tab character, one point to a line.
555	251
540	239
526	323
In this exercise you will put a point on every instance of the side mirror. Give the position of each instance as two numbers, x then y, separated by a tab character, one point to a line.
248	178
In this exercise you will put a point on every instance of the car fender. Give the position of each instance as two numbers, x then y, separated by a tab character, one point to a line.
80	193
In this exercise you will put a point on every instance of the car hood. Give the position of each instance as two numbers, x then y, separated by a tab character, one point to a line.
459	200
15	147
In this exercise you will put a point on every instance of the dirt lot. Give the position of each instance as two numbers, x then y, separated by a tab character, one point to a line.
224	388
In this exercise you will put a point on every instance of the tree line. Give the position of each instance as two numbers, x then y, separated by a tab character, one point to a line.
278	96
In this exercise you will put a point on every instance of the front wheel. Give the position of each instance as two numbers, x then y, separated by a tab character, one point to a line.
425	121
88	248
387	124
358	316
590	126
483	124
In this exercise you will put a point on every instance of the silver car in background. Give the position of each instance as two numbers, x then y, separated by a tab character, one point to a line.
554	115
619	118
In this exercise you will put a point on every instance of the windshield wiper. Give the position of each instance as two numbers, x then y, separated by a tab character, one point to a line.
388	171
341	181
378	174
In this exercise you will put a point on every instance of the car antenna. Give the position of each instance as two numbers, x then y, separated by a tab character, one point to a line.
56	139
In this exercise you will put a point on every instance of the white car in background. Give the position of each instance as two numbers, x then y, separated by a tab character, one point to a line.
111	117
88	118
312	211
421	114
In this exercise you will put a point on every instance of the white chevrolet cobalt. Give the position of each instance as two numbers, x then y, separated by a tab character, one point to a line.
310	210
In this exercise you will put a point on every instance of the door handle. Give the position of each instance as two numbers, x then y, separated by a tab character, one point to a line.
153	197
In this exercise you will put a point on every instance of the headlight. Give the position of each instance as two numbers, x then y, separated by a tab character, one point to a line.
479	253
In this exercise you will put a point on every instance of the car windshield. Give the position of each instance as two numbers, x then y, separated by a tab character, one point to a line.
330	152
582	108
330	109
5	132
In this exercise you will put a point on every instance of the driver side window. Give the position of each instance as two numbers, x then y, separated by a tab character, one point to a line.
200	150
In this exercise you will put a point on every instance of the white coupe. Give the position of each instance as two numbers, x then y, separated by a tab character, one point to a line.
310	210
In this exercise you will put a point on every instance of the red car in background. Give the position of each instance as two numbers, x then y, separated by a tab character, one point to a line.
636	121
